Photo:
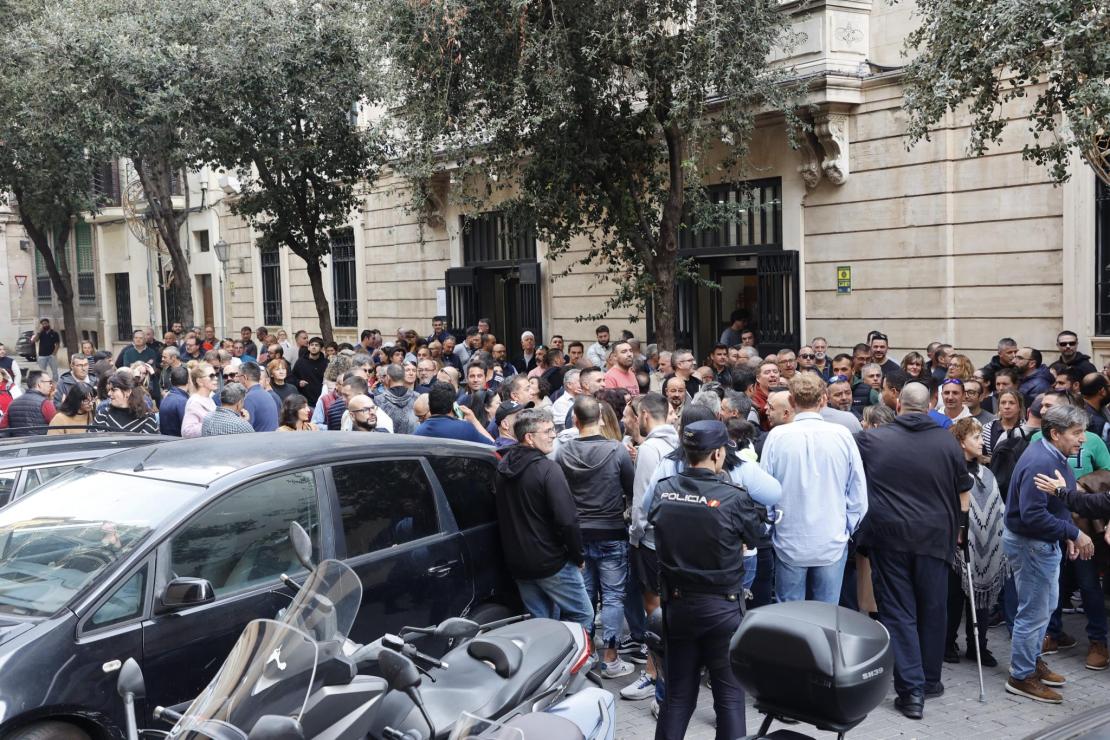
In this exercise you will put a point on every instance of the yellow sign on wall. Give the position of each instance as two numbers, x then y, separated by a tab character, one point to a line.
843	279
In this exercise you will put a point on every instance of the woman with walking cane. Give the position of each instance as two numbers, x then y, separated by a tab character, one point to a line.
979	550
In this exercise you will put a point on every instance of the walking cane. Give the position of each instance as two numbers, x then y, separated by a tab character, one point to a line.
974	620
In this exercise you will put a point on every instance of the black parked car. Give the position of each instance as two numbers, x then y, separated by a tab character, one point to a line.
25	346
164	553
26	463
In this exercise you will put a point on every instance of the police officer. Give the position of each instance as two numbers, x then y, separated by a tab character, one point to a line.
701	523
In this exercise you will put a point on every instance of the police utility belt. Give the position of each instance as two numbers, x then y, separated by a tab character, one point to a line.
677	594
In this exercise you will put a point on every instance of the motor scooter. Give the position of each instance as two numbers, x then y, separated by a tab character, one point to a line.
305	667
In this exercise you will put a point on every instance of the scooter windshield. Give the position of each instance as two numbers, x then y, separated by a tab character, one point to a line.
327	604
269	671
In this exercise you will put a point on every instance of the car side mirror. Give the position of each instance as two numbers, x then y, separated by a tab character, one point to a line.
131	681
183	592
302	544
276	727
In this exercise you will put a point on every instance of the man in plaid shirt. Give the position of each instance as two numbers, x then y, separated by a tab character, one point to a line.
229	417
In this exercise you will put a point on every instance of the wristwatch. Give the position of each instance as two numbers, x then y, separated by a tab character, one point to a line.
1061	491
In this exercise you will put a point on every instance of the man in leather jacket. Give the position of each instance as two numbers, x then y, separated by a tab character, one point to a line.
701	523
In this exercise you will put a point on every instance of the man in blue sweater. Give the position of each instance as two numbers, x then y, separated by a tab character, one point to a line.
1036	525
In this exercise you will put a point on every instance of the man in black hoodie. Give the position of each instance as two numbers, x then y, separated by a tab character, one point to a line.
539	524
308	372
600	473
1068	344
916	474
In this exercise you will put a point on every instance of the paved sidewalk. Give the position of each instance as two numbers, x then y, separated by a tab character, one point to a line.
956	714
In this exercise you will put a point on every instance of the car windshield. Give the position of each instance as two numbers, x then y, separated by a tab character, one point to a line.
54	543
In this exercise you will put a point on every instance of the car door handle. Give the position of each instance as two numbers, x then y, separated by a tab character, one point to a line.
442	569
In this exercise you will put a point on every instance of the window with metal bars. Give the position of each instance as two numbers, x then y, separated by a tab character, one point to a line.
122	282
494	237
758	226
86	271
270	260
43	289
106	183
344	281
1102	257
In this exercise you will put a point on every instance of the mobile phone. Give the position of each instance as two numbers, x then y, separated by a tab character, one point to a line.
458	412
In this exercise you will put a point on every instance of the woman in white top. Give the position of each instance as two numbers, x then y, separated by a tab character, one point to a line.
202	384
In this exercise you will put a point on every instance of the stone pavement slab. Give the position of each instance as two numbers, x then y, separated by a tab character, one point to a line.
956	714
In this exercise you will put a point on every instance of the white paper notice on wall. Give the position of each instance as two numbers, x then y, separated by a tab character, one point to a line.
441	301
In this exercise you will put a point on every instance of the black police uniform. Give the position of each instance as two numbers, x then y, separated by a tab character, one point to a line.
701	524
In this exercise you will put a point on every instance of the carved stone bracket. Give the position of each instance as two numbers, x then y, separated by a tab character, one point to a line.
832	131
436	204
810	168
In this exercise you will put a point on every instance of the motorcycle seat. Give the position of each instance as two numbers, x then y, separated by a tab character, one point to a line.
471	685
504	654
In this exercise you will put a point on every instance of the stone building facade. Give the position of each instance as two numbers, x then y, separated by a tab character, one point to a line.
859	232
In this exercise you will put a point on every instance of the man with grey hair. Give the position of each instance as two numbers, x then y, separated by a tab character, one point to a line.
539	524
1036	525
710	400
228	418
78	373
561	406
750	356
917	486
397	401
684	367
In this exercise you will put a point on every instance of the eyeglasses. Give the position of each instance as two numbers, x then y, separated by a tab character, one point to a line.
807	357
952	381
361	411
1066	344
230	375
212	376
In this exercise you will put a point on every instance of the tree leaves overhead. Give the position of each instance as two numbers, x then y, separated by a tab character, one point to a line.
594	118
988	53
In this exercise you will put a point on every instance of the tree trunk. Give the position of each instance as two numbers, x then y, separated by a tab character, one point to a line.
60	279
663	301
664	263
155	174
323	309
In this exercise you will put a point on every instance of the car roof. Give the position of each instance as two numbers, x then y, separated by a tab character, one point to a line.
204	461
24	450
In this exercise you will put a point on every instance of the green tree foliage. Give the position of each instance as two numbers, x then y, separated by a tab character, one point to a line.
594	120
281	112
135	68
46	158
990	52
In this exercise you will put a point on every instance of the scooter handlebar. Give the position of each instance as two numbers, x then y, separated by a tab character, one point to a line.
167	715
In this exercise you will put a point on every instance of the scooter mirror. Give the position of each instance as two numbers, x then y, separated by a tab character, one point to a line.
397	670
302	544
276	727
131	680
457	628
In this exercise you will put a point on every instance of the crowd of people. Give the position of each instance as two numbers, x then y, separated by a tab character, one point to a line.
632	476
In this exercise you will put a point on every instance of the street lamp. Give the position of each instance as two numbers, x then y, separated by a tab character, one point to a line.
222	251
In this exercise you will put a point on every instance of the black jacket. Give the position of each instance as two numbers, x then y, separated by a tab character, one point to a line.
599	472
1082	362
536	515
312	372
702	522
915	473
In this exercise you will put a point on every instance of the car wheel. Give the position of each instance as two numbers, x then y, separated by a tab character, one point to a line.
489	612
49	731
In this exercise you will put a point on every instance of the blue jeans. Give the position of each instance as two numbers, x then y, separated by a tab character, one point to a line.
1086	572
1036	566
559	596
819	582
606	576
751	567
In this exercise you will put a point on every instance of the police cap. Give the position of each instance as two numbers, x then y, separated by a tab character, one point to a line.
704	435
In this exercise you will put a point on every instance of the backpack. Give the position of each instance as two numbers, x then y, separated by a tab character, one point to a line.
1004	459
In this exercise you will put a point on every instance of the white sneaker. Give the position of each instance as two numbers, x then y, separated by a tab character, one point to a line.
644	688
655	709
616	669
